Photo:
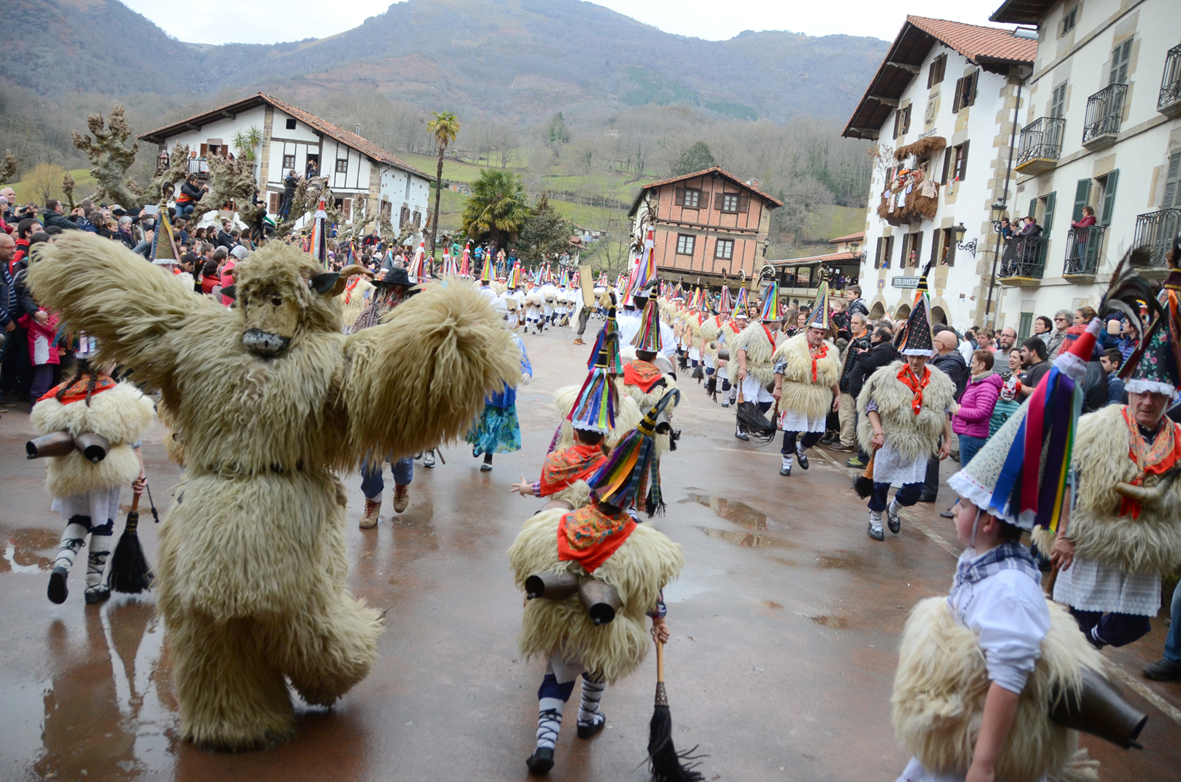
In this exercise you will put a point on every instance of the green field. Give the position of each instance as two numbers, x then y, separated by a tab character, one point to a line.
84	186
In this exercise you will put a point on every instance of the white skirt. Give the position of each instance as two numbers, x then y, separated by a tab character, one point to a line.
1093	586
795	421
889	466
754	391
101	505
914	772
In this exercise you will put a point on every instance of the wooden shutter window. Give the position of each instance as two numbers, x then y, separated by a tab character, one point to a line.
877	255
1173	182
959	90
947	156
743	204
897	121
1082	194
1109	197
963	161
1048	222
348	209
971	85
679	196
273	208
949	245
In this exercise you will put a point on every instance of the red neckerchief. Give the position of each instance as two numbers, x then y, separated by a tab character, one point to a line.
76	390
817	354
770	336
589	537
568	465
718	321
348	288
734	327
1150	459
915	385
641	374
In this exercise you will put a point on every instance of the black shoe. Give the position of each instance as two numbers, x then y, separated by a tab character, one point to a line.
97	594
948	514
928	498
1160	671
893	522
586	731
487	465
785	471
57	585
876	532
802	458
541	761
741	435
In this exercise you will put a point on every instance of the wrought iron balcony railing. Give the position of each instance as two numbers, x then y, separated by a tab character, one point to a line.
1024	257
1041	140
1169	101
1105	111
1083	246
1155	230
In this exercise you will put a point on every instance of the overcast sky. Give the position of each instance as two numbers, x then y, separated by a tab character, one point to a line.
270	21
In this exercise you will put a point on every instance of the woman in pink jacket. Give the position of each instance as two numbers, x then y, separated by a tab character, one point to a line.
971	415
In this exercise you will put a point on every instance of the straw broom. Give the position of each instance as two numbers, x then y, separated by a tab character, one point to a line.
663	760
130	572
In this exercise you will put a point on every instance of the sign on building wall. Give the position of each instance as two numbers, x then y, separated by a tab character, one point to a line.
904	282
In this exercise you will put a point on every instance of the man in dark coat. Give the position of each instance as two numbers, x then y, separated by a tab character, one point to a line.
53	215
951	362
881	354
289	185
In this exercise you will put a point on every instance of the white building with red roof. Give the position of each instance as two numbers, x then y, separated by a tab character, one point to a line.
358	171
942	108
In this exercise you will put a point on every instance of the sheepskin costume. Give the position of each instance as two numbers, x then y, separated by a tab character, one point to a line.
913	436
356	295
710	329
252	563
627	416
760	351
1150	543
121	414
807	384
638	570
942	682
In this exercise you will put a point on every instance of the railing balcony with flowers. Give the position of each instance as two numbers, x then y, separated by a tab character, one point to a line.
1041	145
1155	230
1105	111
1083	249
1169	102
1023	261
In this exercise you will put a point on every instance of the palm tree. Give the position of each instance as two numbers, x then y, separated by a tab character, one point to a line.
497	209
444	127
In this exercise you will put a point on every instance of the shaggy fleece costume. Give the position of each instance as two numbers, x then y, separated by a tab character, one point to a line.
709	335
252	563
638	570
801	392
913	436
759	353
942	682
627	417
120	414
1148	544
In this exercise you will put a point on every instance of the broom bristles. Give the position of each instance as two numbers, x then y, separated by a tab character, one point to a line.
130	572
664	761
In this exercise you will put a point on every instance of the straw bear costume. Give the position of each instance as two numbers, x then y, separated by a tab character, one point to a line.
272	400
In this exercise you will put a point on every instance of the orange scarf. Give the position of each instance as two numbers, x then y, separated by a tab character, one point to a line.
589	536
641	374
1152	459
818	354
916	385
76	390
770	336
564	467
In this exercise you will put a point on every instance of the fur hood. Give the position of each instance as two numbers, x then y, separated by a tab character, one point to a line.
1150	544
800	392
638	570
941	684
913	436
120	414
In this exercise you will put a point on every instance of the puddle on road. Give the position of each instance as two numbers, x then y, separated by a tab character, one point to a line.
842	560
22	553
739	514
835	622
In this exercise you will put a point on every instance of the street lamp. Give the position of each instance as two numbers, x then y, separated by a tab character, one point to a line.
998	213
970	247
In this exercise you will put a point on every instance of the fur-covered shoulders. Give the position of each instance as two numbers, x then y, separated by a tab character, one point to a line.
798	355
120	414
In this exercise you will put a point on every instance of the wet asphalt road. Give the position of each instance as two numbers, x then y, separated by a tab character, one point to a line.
784	628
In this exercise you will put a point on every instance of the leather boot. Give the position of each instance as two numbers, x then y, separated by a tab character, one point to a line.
401	498
372	512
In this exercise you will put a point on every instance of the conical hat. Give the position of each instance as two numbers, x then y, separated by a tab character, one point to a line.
919	341
820	309
771	304
648	337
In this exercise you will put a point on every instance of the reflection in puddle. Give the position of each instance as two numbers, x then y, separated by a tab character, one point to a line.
835	622
739	538
22	552
734	512
843	560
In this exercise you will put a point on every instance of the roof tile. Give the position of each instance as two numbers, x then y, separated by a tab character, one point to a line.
974	41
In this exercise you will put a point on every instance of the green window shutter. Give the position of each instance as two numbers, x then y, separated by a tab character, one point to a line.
1032	208
1026	327
1048	222
1081	194
1109	197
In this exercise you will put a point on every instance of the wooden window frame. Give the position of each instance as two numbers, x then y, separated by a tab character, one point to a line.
959	163
1069	20
1121	53
936	70
342	161
724	198
288	166
686	244
965	91
728	244
1171	198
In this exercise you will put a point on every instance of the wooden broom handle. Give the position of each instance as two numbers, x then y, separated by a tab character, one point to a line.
135	502
659	661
